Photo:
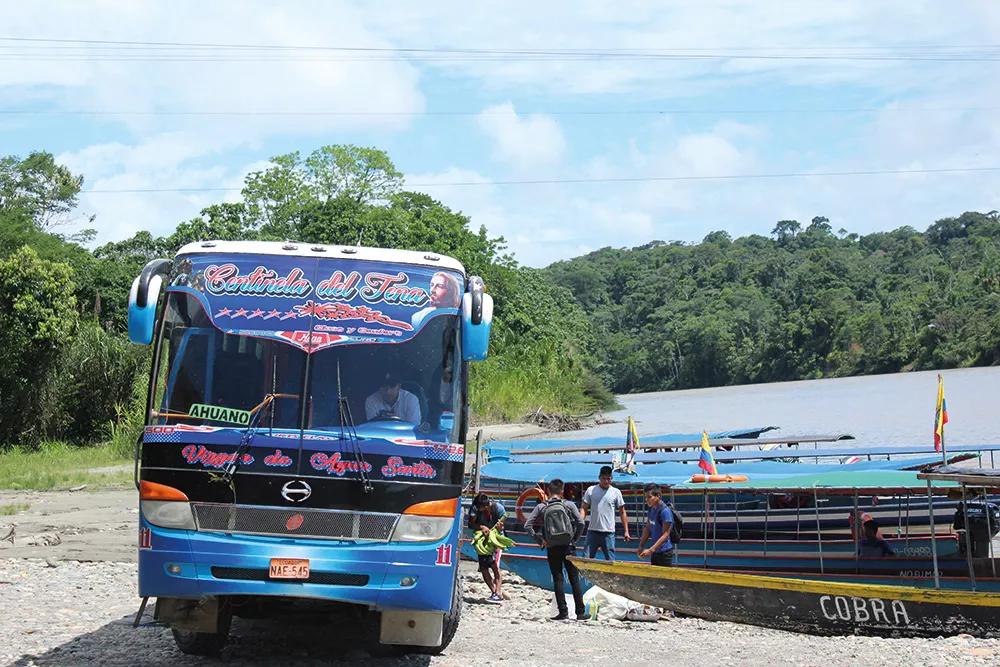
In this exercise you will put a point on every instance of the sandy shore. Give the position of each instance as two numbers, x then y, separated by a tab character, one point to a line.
68	595
80	613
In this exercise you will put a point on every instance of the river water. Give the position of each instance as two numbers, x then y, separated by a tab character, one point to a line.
876	409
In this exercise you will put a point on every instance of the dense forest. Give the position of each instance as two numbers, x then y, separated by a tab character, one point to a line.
70	374
806	302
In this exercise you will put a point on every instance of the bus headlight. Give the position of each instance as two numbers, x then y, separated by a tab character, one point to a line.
414	528
168	514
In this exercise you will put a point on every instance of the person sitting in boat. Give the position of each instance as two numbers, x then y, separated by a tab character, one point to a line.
486	515
659	521
393	402
872	545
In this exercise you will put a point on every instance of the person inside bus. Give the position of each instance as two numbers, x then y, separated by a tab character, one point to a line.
392	401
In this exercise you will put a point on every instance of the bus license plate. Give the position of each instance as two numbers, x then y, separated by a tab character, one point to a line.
289	568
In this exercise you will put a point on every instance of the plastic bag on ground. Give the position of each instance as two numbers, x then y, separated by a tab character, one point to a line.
602	604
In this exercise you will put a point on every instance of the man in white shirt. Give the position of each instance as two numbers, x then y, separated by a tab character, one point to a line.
392	401
601	502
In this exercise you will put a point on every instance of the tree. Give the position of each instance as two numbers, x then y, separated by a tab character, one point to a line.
785	230
36	189
37	321
802	304
343	178
820	224
366	175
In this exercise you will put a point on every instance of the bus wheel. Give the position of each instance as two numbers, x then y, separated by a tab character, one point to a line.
206	643
450	621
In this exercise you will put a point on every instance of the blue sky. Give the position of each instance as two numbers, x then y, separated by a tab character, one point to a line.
917	91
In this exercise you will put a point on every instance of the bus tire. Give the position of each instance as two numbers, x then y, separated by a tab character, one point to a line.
206	643
451	620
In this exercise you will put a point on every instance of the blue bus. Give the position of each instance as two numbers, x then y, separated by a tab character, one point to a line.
304	440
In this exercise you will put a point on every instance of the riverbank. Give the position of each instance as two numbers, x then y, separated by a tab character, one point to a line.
68	581
81	613
58	465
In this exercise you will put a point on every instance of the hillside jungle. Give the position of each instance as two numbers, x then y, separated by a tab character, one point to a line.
802	303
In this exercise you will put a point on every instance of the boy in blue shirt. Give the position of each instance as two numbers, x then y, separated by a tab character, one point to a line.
659	521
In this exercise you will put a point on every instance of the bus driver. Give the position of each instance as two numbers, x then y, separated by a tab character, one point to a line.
390	400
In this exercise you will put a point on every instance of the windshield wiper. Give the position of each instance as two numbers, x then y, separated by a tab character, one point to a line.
246	439
348	431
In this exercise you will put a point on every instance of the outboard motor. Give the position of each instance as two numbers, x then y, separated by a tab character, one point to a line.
982	520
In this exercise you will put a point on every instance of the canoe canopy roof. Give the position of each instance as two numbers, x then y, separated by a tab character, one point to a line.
987	478
618	441
837	482
771	476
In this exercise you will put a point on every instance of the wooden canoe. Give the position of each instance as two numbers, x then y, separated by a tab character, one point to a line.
799	605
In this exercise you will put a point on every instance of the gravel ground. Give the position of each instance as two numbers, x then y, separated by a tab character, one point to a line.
80	613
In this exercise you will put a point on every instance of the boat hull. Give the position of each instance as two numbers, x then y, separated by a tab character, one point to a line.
815	607
835	563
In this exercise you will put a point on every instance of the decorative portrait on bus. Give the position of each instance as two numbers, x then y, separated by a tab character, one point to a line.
444	293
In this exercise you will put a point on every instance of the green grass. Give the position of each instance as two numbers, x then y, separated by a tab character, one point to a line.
57	465
7	510
507	387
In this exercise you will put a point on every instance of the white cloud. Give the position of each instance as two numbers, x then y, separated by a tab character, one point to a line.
524	142
196	78
541	222
169	161
193	151
688	30
708	155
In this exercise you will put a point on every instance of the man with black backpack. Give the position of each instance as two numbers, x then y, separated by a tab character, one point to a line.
660	528
561	526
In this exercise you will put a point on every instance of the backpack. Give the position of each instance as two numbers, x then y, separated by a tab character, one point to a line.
557	525
677	527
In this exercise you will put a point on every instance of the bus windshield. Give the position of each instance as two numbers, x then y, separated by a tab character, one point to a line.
213	378
414	383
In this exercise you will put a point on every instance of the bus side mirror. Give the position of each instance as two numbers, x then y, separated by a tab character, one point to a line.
477	319
142	300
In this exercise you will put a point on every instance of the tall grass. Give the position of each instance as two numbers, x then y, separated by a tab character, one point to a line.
124	430
58	465
13	508
97	376
522	379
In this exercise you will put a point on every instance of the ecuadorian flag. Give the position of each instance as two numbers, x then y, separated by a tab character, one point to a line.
706	461
631	438
940	416
631	447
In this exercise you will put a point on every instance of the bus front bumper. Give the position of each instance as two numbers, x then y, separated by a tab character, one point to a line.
394	575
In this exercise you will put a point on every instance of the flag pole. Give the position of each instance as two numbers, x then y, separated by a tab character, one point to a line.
944	456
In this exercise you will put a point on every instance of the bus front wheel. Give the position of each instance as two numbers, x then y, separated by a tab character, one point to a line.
451	620
206	643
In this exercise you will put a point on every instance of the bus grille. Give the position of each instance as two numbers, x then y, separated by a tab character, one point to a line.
261	574
286	522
